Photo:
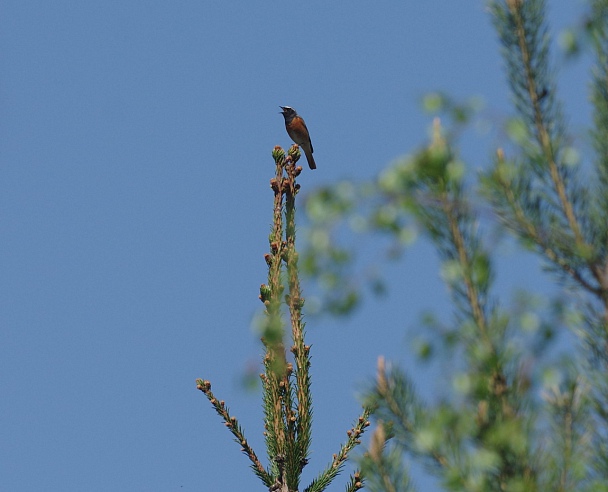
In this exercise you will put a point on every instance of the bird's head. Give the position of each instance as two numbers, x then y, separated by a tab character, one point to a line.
288	113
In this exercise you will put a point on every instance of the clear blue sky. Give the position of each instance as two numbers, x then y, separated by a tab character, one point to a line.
134	213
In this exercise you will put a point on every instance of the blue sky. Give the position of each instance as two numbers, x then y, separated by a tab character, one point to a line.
135	210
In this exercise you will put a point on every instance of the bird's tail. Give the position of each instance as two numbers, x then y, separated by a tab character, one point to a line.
310	159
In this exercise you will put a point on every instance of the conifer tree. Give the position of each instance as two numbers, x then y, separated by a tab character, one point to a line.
503	426
286	382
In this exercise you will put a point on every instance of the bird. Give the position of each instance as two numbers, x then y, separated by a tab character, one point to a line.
297	131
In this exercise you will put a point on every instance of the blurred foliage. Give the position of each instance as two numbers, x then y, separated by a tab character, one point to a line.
520	412
342	214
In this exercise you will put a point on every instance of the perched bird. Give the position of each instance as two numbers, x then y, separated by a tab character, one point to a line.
296	128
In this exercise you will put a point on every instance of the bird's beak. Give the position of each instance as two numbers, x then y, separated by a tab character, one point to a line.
282	109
